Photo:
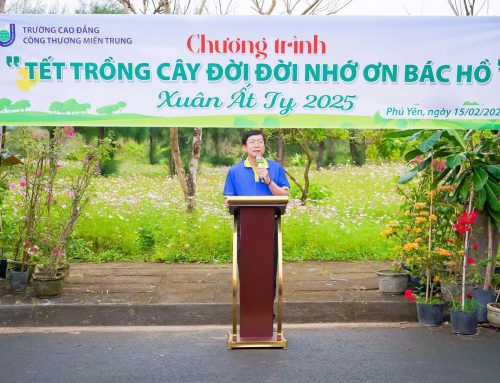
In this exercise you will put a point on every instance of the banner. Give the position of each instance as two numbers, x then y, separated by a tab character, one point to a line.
250	71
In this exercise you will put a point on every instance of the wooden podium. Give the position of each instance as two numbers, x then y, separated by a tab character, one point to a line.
256	235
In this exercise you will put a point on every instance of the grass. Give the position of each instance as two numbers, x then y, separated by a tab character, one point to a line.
139	215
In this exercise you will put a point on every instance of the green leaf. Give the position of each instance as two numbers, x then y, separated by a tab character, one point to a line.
493	170
480	199
494	215
425	164
492	200
479	177
412	154
408	176
463	191
454	161
429	143
495	187
458	136
441	176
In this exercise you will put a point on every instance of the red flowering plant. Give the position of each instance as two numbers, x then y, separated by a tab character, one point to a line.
50	204
469	273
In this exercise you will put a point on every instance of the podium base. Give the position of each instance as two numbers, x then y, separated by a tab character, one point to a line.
276	341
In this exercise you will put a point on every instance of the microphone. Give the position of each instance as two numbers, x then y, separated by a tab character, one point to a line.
260	163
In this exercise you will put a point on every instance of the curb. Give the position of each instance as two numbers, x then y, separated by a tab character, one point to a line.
189	314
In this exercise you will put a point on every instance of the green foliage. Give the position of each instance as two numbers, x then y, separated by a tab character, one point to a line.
146	238
221	160
100	7
109	167
469	304
381	146
471	160
433	300
344	223
316	192
298	160
79	250
112	256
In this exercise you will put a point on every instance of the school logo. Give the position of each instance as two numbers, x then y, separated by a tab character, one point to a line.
7	35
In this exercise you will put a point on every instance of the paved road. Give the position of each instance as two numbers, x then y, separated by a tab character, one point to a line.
316	353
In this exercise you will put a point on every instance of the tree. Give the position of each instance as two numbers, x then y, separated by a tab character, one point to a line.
187	175
34	7
357	146
288	7
188	182
300	136
99	8
467	7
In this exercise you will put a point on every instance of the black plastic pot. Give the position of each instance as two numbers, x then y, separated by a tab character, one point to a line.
483	297
463	322
18	280
430	314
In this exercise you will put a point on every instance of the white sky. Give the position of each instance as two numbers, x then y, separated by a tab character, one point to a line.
365	7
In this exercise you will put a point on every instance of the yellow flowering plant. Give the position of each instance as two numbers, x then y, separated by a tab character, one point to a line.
424	230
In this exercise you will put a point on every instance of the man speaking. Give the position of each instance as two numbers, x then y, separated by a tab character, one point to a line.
256	176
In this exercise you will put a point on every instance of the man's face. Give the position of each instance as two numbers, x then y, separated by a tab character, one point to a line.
255	146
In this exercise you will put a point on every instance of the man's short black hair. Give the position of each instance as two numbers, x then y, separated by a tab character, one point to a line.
252	133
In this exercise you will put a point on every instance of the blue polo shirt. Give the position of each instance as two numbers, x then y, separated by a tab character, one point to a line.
242	180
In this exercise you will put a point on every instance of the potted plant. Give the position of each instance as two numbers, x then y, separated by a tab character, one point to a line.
6	162
463	315
395	280
493	309
463	308
429	259
405	234
471	165
51	209
483	292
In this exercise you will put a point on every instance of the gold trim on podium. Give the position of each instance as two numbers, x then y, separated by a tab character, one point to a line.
277	340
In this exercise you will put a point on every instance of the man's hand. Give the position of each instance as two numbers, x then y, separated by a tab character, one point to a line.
262	172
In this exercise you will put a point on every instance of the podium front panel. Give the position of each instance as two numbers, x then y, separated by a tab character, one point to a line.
256	271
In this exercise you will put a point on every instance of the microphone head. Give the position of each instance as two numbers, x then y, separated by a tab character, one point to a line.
259	159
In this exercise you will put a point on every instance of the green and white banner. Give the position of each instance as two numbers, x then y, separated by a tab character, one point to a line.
249	71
